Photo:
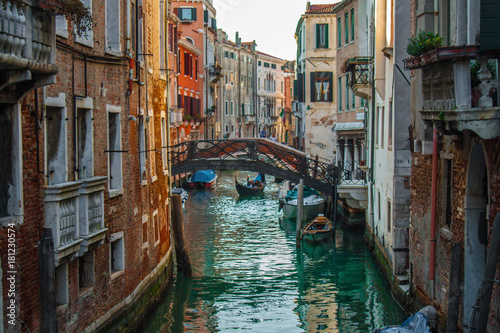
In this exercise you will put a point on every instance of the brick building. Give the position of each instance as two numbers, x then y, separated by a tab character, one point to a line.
455	181
85	158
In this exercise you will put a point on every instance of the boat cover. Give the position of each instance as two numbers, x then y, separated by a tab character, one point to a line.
203	176
292	194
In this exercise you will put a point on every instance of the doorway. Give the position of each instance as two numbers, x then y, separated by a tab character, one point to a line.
476	230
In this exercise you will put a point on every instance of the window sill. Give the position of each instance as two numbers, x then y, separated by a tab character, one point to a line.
145	246
154	178
86	292
165	172
61	309
116	53
144	183
115	193
8	221
114	275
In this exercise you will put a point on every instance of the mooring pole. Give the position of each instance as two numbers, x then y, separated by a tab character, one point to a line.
181	252
300	210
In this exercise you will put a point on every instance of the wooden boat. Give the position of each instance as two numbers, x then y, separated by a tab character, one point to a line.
255	187
317	230
203	179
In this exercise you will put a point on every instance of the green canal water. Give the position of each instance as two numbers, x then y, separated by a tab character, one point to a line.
248	274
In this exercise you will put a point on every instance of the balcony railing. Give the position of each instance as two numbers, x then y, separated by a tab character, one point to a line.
75	213
250	119
359	72
27	38
351	174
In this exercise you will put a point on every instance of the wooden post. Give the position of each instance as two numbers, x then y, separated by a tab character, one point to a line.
489	277
315	171
46	260
300	210
183	263
455	292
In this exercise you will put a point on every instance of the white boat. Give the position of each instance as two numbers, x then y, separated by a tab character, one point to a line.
313	204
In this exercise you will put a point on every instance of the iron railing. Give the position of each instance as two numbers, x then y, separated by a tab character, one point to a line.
359	71
351	173
270	156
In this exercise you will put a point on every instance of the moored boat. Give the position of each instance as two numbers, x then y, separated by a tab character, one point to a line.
313	204
318	229
182	192
203	179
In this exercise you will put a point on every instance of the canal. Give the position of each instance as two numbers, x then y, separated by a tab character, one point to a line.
248	274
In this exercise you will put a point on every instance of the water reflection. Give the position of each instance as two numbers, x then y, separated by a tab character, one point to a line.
248	274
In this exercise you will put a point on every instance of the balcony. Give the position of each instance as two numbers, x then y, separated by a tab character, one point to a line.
27	50
352	184
359	74
75	213
250	119
459	93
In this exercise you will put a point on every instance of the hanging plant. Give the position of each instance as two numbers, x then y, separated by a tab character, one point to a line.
422	43
73	10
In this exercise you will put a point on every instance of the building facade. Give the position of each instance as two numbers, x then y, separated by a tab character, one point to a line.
86	161
316	69
455	162
237	100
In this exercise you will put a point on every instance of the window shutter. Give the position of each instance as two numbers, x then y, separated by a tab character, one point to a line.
330	91
186	63
327	41
318	36
194	14
313	87
205	16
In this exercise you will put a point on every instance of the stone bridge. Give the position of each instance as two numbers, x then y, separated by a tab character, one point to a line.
257	155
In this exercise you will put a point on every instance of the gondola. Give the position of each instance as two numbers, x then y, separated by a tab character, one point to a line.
252	188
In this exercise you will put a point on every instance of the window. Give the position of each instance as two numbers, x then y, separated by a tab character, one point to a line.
187	14
227	109
87	37
61	284
232	55
85	138
162	38
232	78
113	25
117	253
352	24
379	206
390	125
339	32
164	142
226	54
273	66
362	102
142	148
260	63
140	33
56	143
62	26
266	64
114	149
377	124
347	93
321	87
195	69
389	215
232	108
11	196
86	271
282	86
382	126
145	219
156	228
346	27
339	87
322	36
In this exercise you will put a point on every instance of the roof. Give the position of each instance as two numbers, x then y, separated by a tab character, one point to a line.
268	55
321	9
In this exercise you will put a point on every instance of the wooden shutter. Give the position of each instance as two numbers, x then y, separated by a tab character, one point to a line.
330	91
313	87
186	63
193	14
205	16
318	34
327	41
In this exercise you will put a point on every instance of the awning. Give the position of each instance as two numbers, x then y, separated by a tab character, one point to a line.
351	126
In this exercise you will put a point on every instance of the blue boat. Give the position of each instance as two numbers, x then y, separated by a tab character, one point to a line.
203	179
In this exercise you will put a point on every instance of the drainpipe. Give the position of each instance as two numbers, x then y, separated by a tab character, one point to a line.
433	205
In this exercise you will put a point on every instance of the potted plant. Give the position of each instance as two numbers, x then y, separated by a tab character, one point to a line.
187	119
423	43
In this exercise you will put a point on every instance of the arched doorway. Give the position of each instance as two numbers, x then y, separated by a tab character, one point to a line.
476	231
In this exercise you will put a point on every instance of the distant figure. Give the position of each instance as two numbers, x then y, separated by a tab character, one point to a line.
273	138
263	133
226	136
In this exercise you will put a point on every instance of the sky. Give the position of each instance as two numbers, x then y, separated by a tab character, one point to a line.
271	23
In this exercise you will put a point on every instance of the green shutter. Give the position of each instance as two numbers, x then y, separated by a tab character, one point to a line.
205	16
318	33
327	40
313	87
194	14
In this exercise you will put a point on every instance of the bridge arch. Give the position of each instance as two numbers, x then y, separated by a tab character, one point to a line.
257	155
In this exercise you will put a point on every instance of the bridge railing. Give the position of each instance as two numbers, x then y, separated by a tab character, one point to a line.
258	151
